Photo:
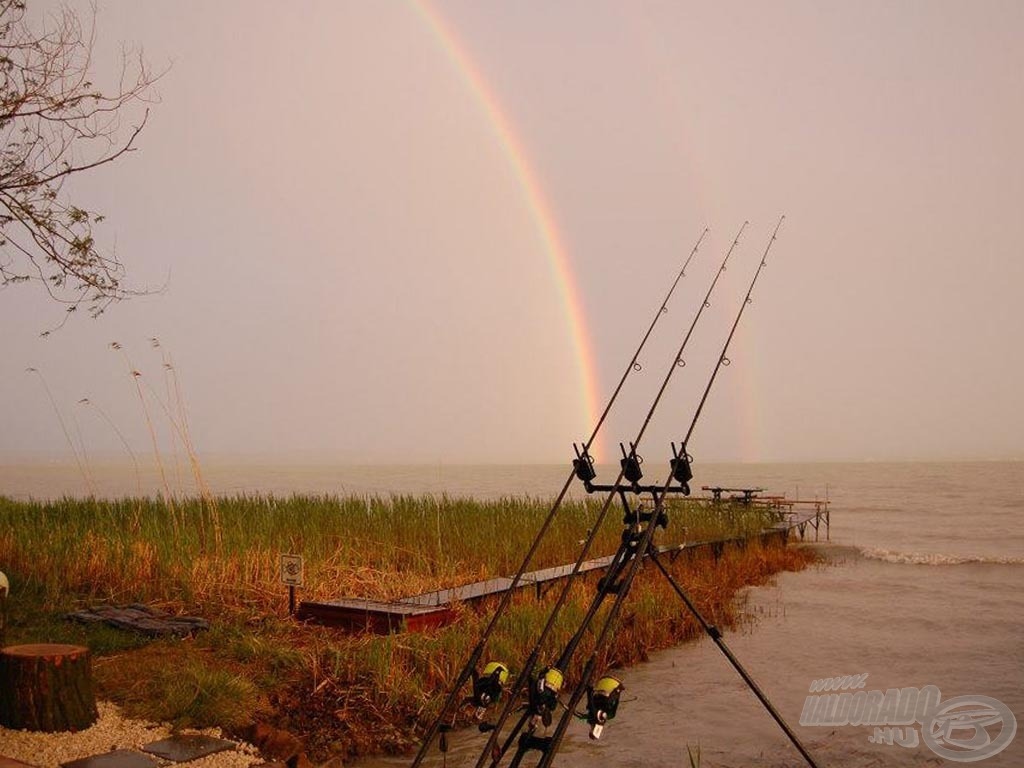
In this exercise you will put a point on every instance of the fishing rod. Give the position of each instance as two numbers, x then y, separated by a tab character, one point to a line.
633	475
487	687
607	696
544	690
628	554
711	630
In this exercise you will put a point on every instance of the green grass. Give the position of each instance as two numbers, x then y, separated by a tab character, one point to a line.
200	694
366	693
227	554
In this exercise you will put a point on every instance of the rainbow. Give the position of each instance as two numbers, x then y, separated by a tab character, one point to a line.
539	209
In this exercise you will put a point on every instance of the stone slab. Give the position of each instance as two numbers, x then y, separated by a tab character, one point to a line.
181	749
119	758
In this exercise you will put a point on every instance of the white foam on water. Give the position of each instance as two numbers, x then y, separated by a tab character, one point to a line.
934	558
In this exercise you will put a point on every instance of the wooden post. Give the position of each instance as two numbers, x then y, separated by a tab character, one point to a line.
46	687
5	588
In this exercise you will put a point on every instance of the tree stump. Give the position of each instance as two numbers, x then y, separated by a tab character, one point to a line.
46	687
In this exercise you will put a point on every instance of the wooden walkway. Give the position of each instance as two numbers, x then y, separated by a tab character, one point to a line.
434	609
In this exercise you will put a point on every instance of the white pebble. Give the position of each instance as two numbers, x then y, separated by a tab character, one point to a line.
112	731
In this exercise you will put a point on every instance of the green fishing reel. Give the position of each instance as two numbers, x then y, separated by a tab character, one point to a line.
487	686
602	703
544	693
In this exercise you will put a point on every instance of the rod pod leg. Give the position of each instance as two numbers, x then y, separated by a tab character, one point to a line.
715	635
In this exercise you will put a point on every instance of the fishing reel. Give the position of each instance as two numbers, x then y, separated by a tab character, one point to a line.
602	703
630	463
583	464
681	471
487	687
544	693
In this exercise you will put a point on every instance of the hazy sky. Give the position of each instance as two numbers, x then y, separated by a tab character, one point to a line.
354	272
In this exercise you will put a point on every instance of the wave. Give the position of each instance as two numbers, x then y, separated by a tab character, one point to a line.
932	558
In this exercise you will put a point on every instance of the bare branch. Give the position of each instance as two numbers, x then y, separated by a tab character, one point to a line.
55	123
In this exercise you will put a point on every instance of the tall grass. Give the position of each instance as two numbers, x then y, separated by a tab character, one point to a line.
227	555
374	683
365	692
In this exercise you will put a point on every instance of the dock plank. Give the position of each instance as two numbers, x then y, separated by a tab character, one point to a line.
432	609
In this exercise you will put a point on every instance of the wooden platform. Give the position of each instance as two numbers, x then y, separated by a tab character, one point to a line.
435	609
373	616
431	609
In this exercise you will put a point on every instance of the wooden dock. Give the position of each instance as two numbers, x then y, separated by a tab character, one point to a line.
435	609
431	609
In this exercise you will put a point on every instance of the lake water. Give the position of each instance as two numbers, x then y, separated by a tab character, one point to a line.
923	587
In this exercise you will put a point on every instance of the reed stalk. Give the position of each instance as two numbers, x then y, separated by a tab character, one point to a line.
67	435
136	375
120	436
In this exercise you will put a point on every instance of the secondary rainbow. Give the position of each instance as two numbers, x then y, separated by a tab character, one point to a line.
539	208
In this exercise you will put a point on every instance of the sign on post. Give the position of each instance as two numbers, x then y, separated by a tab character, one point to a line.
291	570
291	575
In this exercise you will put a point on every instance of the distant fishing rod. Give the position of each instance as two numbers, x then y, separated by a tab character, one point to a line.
549	745
542	698
469	669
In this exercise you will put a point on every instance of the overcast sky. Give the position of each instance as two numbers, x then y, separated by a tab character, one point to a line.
354	272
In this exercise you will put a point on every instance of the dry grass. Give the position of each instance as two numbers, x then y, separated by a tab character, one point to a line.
226	555
349	694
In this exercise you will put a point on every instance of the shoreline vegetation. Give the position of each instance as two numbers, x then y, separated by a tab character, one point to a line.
342	694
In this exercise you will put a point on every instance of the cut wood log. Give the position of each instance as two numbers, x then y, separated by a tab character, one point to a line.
46	687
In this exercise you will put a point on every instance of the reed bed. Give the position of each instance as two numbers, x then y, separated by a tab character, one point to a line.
226	555
347	693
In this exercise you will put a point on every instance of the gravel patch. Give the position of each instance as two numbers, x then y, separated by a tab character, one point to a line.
112	731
